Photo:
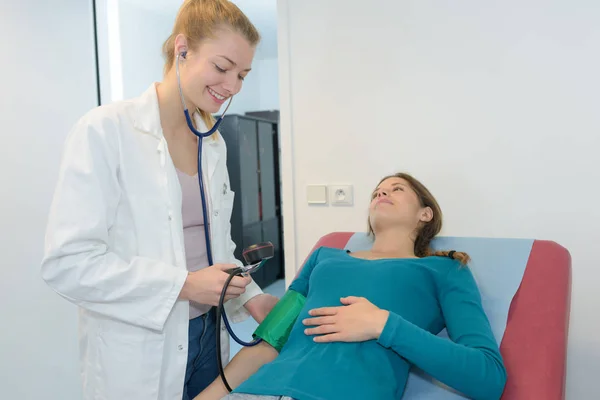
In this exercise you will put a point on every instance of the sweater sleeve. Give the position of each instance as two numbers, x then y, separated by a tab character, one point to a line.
301	283
470	361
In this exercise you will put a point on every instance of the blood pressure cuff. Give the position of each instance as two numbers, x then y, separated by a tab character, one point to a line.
276	327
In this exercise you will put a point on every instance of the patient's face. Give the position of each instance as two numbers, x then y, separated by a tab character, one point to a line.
395	200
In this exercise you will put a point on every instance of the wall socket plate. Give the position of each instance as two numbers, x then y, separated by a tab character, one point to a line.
341	195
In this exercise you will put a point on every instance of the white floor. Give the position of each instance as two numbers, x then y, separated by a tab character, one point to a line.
244	330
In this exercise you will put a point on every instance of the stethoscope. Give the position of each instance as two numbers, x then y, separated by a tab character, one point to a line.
246	270
200	136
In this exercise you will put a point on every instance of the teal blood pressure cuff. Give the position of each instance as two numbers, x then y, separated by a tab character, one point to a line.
276	327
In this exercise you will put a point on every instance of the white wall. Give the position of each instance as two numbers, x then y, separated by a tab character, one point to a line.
268	71
143	33
130	36
493	106
48	80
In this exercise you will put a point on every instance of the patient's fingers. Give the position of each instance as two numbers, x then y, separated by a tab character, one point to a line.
333	337
321	330
319	321
323	311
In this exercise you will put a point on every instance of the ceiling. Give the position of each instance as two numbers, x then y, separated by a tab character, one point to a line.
263	13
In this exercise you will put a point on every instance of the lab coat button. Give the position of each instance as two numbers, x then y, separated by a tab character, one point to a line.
216	213
180	347
170	217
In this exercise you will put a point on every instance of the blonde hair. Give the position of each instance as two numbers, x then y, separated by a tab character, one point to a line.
201	19
430	229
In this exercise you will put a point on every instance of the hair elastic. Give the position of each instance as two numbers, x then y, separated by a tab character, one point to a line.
451	254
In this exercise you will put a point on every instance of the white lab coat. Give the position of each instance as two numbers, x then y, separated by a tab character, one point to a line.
115	248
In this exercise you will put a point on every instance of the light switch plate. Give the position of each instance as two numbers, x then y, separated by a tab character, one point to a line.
316	194
341	195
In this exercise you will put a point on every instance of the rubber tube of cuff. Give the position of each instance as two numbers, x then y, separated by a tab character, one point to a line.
277	326
221	312
233	272
218	328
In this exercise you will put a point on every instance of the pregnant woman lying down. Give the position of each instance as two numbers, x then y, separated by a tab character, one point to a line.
369	316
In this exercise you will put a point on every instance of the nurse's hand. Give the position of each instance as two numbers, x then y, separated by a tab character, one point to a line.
358	320
205	286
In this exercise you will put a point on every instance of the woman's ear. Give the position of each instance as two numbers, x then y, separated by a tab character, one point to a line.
181	45
426	214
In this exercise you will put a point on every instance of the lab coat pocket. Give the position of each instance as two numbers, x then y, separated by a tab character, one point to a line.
227	203
225	208
132	357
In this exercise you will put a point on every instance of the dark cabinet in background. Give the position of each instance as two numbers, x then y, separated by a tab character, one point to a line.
253	164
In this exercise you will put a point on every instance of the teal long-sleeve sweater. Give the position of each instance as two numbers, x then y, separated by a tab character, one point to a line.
422	295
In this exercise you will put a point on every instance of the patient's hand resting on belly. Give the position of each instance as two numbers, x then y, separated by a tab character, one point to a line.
357	320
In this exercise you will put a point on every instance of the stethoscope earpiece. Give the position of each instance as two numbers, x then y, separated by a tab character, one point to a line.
183	54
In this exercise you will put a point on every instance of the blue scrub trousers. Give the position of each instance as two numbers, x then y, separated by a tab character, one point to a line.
202	368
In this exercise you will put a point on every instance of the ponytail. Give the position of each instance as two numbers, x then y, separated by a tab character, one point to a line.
460	256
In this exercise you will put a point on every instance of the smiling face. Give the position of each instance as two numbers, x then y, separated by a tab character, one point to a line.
215	69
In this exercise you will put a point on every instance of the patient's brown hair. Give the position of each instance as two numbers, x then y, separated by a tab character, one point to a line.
429	229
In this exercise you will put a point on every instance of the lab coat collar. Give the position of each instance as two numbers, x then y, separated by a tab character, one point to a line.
147	119
147	113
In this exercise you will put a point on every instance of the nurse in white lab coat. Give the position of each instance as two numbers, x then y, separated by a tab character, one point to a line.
122	239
